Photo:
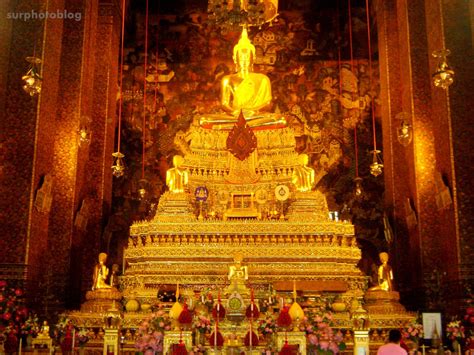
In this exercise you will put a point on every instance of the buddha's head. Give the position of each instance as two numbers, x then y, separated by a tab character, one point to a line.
303	158
177	161
238	258
244	53
383	257
102	258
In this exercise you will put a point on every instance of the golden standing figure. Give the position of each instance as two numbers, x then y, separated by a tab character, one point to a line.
303	175
100	274
177	178
244	91
385	275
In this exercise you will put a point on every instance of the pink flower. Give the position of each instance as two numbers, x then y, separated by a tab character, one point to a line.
333	347
324	345
313	339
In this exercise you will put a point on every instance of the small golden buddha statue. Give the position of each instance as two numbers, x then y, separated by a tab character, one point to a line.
244	91
100	274
237	276
303	175
44	332
385	275
176	177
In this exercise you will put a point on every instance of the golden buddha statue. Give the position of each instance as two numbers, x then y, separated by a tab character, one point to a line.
244	91
44	332
100	274
303	175
385	275
176	177
237	276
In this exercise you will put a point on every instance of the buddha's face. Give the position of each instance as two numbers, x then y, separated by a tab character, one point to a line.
304	159
244	59
102	257
177	161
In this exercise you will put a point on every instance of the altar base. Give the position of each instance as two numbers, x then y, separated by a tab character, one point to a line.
174	337
294	338
101	300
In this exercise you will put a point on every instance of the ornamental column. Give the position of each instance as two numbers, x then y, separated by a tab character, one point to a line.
421	179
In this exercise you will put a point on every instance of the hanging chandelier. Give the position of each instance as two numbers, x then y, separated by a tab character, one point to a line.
32	78
231	14
405	129
443	77
118	167
376	168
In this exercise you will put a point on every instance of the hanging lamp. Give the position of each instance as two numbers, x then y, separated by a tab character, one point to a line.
376	167
142	192
118	167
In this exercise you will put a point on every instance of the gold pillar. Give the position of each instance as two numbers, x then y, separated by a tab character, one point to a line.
111	341
361	342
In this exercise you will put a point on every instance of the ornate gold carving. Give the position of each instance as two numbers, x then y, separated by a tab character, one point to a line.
241	141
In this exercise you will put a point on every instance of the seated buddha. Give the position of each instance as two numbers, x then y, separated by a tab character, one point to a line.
177	177
244	91
303	175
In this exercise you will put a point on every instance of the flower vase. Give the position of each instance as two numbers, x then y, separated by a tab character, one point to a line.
412	346
456	347
201	338
269	339
29	340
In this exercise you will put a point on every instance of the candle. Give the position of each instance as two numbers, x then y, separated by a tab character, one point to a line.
215	336
251	333
73	338
459	349
19	348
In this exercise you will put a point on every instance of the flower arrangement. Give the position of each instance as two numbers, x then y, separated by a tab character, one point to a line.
63	333
322	339
202	324
267	326
82	337
414	332
207	299
30	326
151	331
455	331
13	314
63	327
197	350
